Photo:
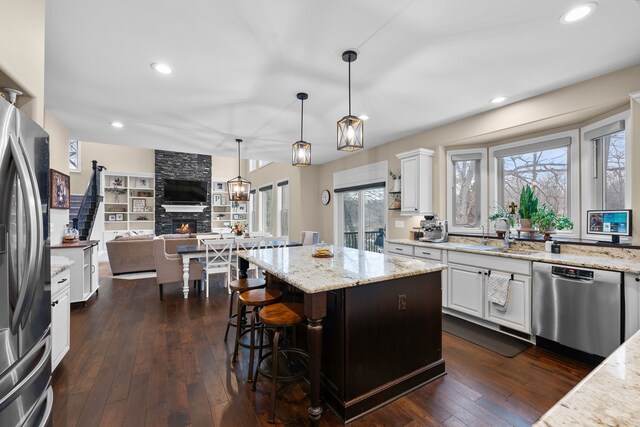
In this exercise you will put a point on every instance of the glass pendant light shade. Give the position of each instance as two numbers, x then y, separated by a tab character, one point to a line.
238	187
301	154
350	127
350	133
301	150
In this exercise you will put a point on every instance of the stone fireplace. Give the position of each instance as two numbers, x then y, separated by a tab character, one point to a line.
174	165
184	226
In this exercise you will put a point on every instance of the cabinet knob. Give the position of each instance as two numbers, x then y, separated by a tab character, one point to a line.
479	272
637	279
54	303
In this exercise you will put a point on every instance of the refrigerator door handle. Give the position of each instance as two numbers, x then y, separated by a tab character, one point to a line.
47	397
31	197
17	390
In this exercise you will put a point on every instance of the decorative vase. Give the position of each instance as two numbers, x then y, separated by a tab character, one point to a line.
547	235
525	225
396	185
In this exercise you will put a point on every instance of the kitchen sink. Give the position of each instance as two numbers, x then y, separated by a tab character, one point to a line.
513	251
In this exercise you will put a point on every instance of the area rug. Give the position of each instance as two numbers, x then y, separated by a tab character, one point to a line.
484	337
136	276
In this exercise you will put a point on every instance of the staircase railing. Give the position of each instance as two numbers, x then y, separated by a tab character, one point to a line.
90	202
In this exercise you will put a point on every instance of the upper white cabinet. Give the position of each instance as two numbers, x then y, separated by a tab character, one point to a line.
416	168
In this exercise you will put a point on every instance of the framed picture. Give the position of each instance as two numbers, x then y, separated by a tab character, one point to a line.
59	190
112	217
217	200
142	183
242	207
219	186
119	217
236	217
138	205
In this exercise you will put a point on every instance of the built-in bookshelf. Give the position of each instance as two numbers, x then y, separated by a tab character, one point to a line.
129	202
224	214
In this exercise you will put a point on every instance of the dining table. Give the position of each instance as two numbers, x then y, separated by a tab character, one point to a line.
188	252
382	322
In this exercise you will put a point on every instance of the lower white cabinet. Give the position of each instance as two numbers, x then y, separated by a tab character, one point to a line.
518	313
60	319
632	304
84	271
466	289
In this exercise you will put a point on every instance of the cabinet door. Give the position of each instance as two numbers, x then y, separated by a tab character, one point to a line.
466	289
518	313
94	268
409	199
632	304
60	327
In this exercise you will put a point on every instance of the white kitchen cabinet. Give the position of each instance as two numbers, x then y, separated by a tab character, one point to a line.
60	317
399	249
518	313
466	289
84	271
632	304
416	169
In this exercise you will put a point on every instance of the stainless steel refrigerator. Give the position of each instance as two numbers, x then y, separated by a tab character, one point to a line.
26	396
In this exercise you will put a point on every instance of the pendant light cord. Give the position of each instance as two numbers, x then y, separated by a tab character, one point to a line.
349	85
301	119
239	175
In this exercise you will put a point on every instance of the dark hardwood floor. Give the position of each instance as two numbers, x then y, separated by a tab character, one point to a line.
136	361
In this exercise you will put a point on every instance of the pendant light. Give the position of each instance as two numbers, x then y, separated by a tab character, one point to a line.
301	150
239	188
350	128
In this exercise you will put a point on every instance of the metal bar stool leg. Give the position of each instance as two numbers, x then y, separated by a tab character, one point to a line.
226	333
254	313
239	316
274	376
255	375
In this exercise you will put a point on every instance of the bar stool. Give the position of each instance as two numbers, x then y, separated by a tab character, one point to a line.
256	298
238	286
279	316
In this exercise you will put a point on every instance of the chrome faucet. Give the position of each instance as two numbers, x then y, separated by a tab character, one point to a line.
508	239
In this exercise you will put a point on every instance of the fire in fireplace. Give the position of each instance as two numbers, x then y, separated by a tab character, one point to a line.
184	226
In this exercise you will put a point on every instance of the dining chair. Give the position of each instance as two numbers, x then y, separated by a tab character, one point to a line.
207	236
276	242
218	259
169	267
246	244
308	238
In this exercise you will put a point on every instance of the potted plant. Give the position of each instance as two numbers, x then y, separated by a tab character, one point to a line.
546	221
502	212
396	180
528	207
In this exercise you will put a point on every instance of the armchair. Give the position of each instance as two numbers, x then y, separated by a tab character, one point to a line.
169	267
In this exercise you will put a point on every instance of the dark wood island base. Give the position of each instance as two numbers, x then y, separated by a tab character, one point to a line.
381	341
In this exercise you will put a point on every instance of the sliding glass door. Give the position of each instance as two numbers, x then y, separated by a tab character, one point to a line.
362	215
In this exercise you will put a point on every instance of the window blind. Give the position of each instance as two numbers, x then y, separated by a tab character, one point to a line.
266	188
532	148
360	187
467	156
283	183
605	130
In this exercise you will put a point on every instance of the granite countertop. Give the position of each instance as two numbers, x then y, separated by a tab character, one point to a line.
603	263
60	264
348	267
608	396
77	244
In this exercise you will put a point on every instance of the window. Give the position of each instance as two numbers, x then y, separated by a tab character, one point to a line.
253	165
253	214
74	155
466	199
362	217
266	209
263	163
549	164
606	143
283	208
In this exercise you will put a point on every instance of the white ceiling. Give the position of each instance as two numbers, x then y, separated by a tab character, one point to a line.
237	66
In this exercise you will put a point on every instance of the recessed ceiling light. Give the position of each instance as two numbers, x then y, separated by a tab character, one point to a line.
498	99
161	68
578	13
363	117
117	125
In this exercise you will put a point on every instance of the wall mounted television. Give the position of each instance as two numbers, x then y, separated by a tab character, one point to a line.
185	191
609	223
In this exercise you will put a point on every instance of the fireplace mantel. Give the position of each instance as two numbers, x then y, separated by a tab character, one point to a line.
184	208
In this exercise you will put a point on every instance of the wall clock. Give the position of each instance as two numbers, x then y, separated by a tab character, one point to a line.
325	197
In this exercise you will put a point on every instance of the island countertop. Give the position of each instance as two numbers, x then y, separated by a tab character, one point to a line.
348	267
608	396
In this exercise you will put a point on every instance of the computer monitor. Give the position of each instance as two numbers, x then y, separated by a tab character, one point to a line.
609	223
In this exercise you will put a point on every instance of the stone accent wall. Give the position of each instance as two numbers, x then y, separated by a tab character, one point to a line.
174	165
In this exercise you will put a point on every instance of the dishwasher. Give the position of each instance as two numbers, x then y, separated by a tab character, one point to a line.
578	307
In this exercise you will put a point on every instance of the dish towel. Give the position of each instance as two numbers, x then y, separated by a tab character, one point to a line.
498	288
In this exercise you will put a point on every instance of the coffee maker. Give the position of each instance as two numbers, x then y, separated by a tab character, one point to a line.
434	229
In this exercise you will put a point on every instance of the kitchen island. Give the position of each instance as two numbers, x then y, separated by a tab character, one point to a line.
382	323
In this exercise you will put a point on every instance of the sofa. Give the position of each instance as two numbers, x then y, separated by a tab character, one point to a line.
132	254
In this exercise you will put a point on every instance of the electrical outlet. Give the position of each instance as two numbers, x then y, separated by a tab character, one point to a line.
399	224
402	302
